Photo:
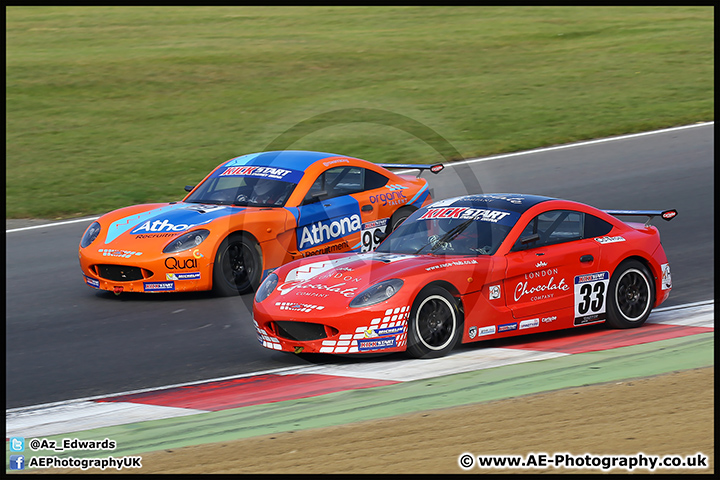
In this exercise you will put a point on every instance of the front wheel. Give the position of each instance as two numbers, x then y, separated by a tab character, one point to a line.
238	266
631	295
435	324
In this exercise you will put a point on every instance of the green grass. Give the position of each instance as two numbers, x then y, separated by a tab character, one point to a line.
111	106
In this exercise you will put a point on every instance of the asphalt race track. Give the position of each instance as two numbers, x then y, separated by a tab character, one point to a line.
65	340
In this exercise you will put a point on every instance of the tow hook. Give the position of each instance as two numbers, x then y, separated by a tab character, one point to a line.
117	290
298	349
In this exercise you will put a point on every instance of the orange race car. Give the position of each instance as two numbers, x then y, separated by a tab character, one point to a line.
247	217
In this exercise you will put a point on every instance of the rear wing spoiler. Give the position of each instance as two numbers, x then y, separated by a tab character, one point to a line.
666	215
435	168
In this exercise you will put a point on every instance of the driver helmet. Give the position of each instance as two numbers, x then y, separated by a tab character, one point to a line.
263	187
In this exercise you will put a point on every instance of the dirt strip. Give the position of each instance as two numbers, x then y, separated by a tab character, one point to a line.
671	414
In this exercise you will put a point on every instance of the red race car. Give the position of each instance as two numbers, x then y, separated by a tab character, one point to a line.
466	269
250	215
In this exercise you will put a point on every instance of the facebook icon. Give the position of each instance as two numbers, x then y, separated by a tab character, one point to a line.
17	462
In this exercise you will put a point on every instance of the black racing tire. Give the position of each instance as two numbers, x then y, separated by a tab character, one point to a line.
238	266
400	215
631	295
434	325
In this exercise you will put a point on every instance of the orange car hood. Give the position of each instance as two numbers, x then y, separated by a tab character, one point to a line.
163	220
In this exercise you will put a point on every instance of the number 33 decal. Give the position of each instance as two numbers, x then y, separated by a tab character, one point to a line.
590	294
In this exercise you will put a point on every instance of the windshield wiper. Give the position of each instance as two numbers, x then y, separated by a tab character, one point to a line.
451	234
447	237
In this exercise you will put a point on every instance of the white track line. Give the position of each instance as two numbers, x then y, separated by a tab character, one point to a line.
579	144
571	145
463	162
84	414
67	222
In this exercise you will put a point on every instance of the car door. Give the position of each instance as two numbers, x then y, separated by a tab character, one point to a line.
553	268
329	218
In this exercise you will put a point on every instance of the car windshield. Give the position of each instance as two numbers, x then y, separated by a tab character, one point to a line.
223	188
470	231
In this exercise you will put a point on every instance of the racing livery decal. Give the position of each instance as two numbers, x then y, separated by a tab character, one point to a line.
326	231
666	278
466	213
535	322
395	197
590	294
285	175
542	291
110	252
604	240
489	330
183	276
370	234
365	345
310	270
159	286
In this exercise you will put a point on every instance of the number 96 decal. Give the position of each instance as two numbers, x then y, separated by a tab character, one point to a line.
590	295
370	231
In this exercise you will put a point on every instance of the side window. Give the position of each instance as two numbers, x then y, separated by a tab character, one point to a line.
336	182
596	227
556	226
348	180
565	227
317	191
374	180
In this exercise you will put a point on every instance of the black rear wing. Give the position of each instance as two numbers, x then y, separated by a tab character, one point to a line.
436	168
666	215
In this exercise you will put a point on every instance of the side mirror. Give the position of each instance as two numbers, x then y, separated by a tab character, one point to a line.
530	238
315	197
188	188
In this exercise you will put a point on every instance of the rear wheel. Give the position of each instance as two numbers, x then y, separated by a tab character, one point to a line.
238	266
400	215
435	324
631	295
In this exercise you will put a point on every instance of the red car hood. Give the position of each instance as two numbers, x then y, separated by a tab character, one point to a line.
339	276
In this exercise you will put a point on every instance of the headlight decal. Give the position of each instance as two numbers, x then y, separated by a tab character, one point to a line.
266	287
187	241
377	293
90	234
